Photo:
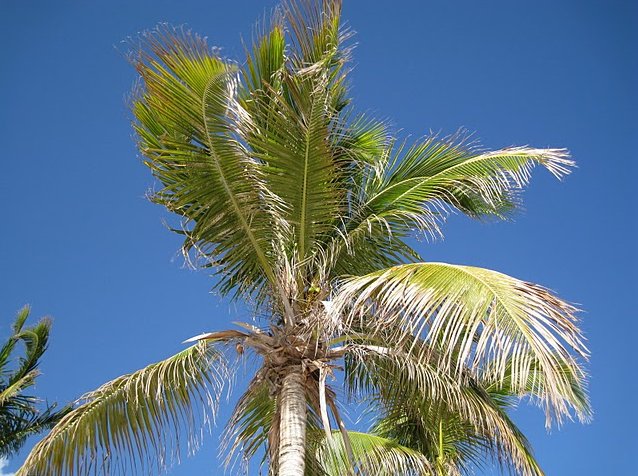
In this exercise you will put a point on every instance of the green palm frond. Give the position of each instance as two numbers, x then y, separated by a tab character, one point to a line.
362	244
436	173
316	34
365	141
412	395
301	168
187	112
20	413
457	445
373	454
12	391
15	432
264	58
134	421
35	340
249	427
414	188
293	120
479	318
451	444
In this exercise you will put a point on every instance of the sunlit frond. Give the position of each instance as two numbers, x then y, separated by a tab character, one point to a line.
186	112
479	318
316	33
500	385
294	119
413	188
438	173
265	58
133	423
300	165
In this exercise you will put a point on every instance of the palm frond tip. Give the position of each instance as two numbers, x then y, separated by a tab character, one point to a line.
125	423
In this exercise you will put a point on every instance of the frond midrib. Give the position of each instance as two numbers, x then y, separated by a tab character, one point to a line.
237	209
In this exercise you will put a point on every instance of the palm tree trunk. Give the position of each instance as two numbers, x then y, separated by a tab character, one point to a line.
292	432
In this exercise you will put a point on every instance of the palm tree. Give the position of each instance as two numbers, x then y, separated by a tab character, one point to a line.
302	207
20	416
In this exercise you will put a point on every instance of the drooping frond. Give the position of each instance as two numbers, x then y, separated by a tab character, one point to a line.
501	386
249	427
15	431
477	318
186	112
133	423
413	396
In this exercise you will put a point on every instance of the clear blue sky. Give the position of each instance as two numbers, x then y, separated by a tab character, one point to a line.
80	242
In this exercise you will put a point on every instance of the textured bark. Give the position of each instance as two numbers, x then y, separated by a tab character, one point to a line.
292	432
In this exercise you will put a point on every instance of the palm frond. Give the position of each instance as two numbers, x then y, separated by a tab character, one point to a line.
15	387
316	33
35	340
15	431
20	413
501	386
479	318
300	165
448	172
448	418
187	111
293	114
249	428
456	446
373	454
414	188
365	141
135	422
265	58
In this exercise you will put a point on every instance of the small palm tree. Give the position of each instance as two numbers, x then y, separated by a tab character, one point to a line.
20	415
302	207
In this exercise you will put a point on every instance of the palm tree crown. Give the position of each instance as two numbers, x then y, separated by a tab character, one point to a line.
302	206
20	416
